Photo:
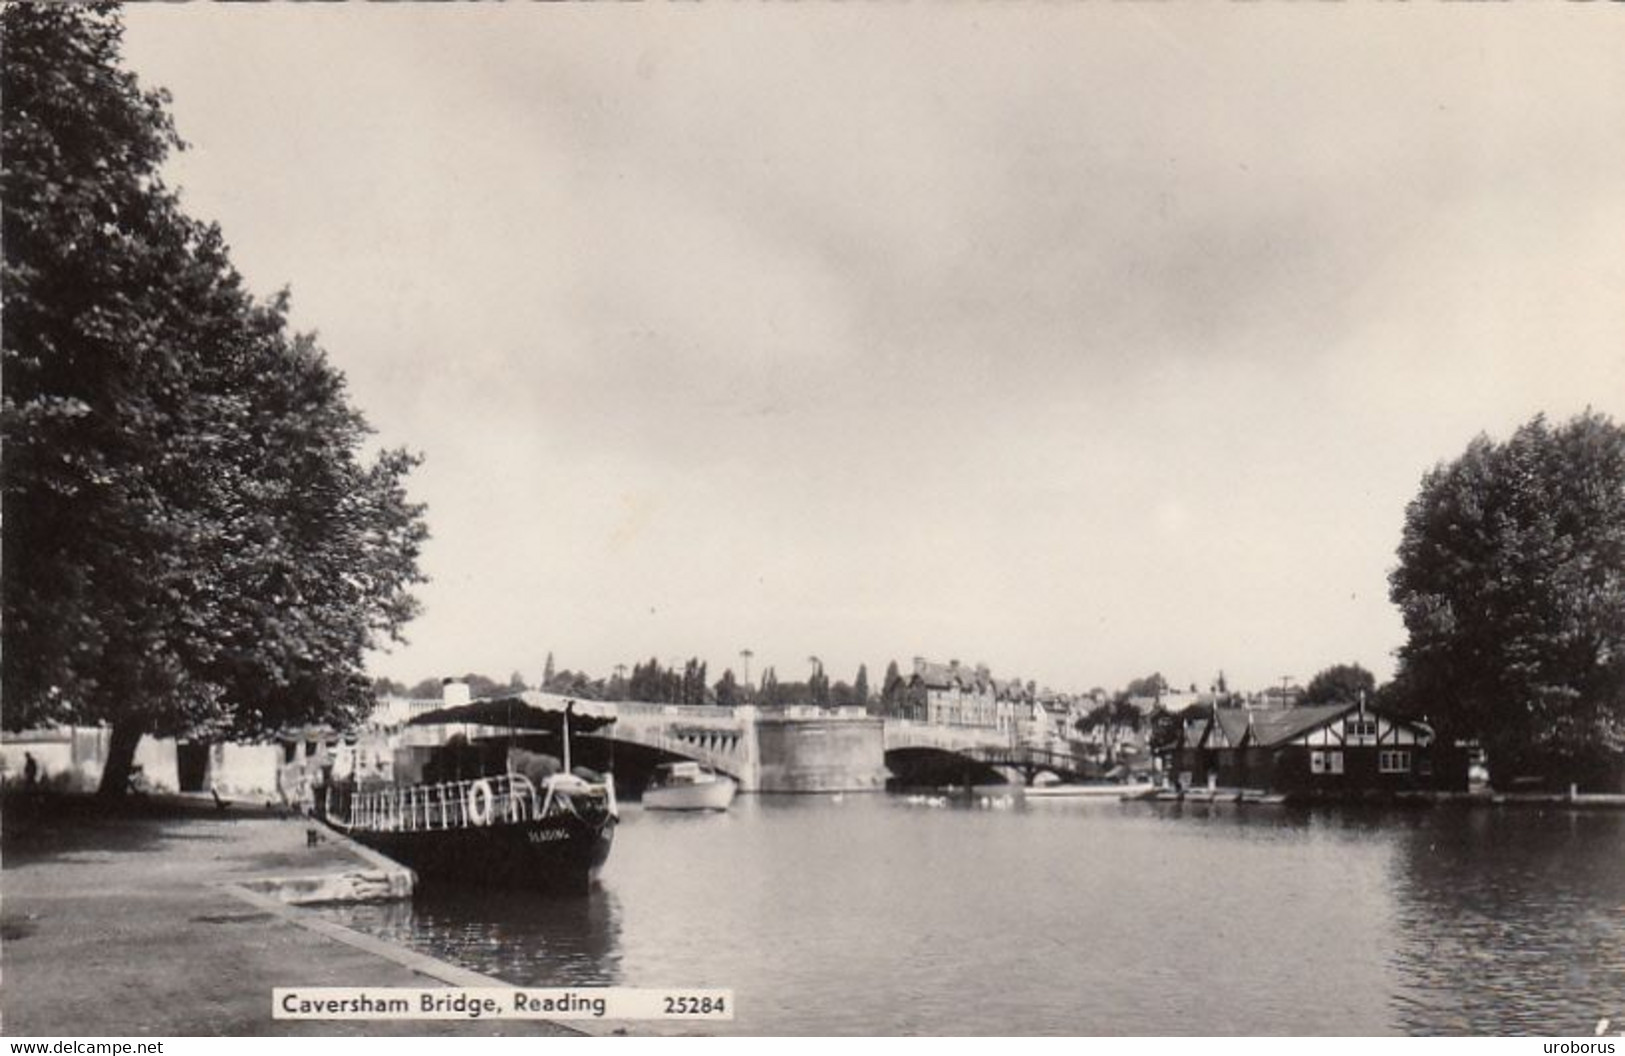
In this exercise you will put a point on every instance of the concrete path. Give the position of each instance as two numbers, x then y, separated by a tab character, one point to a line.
130	925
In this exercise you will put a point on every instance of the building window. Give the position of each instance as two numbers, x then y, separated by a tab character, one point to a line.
1334	762
1362	731
1394	762
1317	762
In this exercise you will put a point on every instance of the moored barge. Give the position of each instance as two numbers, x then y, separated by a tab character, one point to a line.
543	831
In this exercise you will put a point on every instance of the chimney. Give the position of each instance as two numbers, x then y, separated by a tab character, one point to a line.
454	692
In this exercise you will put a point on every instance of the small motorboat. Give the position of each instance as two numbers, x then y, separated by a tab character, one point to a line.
688	786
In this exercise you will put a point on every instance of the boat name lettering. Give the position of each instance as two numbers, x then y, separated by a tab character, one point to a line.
548	835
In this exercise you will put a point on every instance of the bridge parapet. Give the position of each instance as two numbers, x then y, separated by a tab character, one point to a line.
903	733
698	712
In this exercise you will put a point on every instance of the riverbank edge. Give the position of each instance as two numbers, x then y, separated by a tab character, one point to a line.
293	898
353	874
386	881
1249	796
420	963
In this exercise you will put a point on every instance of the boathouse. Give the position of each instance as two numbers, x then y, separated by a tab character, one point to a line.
1329	749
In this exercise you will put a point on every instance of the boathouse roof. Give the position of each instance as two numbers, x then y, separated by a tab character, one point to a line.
1271	727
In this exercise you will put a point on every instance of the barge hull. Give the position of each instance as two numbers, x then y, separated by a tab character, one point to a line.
551	854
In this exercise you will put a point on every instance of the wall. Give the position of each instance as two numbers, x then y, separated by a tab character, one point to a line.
245	769
820	755
71	758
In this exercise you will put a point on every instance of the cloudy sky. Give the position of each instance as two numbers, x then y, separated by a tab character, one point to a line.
1086	341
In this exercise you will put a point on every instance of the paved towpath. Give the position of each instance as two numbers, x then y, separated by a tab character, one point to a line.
127	925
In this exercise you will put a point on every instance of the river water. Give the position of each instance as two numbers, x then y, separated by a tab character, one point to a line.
882	914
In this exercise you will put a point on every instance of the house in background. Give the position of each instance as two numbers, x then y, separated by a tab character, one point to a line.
951	694
1323	749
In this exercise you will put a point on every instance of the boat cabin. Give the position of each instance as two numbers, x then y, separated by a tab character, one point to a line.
681	773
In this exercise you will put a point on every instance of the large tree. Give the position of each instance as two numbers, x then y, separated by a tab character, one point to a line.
194	542
1340	684
1116	718
1511	581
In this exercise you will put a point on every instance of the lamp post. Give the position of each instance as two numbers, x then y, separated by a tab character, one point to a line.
814	680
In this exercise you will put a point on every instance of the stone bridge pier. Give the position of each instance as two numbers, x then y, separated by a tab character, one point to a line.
792	751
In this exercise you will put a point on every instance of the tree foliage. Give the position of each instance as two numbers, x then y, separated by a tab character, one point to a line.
194	541
1164	729
892	689
428	689
1112	716
1340	684
1511	582
654	684
727	691
1153	686
817	689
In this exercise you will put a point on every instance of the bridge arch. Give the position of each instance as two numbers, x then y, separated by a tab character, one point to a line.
721	738
632	763
915	749
926	767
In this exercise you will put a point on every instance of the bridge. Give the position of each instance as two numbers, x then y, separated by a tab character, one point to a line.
798	750
807	749
1031	761
721	738
972	754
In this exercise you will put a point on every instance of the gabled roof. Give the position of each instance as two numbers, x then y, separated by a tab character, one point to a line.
1275	726
1272	727
1234	723
933	675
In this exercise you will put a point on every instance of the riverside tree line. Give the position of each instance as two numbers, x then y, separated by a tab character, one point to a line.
197	544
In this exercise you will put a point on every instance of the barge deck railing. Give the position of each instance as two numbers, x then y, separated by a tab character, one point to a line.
502	798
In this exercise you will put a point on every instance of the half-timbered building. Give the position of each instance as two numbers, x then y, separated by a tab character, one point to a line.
1320	748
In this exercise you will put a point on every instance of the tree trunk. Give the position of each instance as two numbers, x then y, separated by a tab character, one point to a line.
120	759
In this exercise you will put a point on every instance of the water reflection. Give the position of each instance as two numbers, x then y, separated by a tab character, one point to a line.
872	914
523	938
1511	922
